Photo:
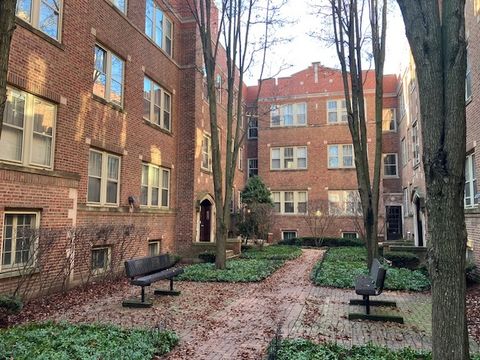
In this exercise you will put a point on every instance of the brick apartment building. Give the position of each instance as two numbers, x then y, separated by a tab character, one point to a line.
124	155
301	147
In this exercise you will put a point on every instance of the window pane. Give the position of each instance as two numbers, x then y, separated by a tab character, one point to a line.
289	207
93	190
332	117
15	109
99	259
24	10
145	175
120	4
95	164
165	198
112	192
165	179
44	117
48	17
113	164
144	195
41	150
158	26
155	194
99	73
11	144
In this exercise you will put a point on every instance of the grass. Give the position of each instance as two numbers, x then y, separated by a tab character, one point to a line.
64	341
300	349
341	266
254	265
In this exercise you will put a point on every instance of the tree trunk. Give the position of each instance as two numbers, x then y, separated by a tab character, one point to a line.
439	48
7	26
221	243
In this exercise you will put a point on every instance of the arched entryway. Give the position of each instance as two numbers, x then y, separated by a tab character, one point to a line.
205	219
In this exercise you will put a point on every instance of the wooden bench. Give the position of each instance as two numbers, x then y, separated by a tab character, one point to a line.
147	270
372	285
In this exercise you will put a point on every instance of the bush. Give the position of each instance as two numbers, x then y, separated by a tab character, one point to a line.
237	270
10	304
67	341
327	242
273	252
471	273
341	266
403	259
301	349
207	256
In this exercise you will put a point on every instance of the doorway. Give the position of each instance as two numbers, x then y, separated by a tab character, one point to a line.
205	220
394	222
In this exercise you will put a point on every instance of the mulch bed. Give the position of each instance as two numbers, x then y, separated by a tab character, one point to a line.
473	311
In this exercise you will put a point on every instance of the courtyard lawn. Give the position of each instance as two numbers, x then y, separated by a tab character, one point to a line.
64	341
254	265
341	266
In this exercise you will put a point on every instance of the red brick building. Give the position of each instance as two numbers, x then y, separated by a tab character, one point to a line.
105	146
303	151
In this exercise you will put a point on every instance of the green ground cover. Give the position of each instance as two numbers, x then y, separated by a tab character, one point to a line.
64	341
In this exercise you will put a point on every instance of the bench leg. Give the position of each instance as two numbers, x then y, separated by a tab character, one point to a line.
143	294
168	292
367	303
134	303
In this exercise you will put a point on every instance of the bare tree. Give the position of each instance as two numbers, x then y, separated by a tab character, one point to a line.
436	33
351	35
233	30
7	26
318	219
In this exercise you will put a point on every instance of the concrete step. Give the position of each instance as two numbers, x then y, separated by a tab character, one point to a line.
230	254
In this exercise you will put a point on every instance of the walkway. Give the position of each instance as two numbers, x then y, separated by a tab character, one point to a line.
237	321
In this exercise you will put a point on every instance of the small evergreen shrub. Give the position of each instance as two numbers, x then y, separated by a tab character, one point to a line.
207	256
320	242
10	304
402	259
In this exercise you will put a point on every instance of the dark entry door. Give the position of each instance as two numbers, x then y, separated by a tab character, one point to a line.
205	218
394	222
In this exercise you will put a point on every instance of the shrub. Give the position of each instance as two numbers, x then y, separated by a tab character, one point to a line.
10	304
327	242
87	341
471	273
207	256
402	259
273	252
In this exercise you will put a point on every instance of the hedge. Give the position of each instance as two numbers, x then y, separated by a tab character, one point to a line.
322	242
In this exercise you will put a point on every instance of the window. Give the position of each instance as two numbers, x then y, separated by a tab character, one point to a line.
472	197
44	15
415	145
153	247
344	203
349	235
406	201
206	153
232	202
468	80
157	104
158	27
101	259
288	158
290	202
288	115
103	178
289	234
218	88
389	120
404	151
155	186
19	240
240	158
108	76
401	103
28	130
476	6
340	156
390	168
336	111
253	128
120	5
252	167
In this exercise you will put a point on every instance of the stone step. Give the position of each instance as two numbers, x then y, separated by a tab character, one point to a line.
230	254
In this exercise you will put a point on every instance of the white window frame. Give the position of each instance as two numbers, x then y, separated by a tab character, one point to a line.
471	182
404	147
468	79
283	158
206	139
384	157
401	103
34	18
103	270
240	158
341	156
125	6
157	244
280	111
165	36
108	75
406	201
340	111
34	246
104	179
349	232
296	198
389	122
160	186
253	128
345	210
28	131
415	144
163	109
289	231
250	167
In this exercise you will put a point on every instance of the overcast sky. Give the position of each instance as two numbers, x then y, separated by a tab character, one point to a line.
303	49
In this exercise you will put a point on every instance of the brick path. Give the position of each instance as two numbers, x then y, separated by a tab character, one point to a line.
237	321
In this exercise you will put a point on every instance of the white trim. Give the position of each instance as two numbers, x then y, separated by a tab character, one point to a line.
108	75
104	178
35	18
349	232
157	243
384	166
162	107
103	270
294	158
340	156
295	201
279	110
